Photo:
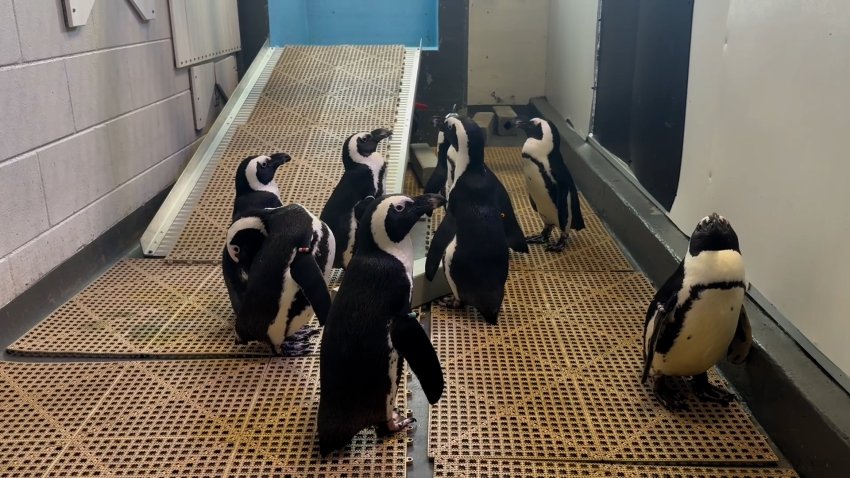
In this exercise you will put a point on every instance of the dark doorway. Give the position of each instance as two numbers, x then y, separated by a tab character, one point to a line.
641	88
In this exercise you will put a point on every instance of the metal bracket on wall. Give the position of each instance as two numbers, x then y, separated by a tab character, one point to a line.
77	11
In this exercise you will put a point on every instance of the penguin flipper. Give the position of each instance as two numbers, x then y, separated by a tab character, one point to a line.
437	181
412	343
444	235
663	317
513	231
310	279
739	349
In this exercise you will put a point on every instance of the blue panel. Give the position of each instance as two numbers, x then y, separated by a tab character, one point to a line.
288	22
362	22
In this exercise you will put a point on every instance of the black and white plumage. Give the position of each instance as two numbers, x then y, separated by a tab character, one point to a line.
437	182
276	264
696	318
370	329
471	240
255	184
365	169
550	185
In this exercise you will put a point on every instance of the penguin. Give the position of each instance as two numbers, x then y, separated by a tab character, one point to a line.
516	238
471	239
276	264
551	189
365	169
697	316
438	180
255	184
371	330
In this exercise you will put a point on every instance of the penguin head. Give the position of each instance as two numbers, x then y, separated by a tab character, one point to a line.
440	125
256	173
541	130
466	137
244	238
359	147
713	233
387	220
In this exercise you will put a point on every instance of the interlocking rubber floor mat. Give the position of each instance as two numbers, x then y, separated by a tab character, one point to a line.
186	418
466	468
559	379
315	98
146	307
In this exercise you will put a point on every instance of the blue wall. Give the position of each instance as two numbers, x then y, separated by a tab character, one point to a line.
335	22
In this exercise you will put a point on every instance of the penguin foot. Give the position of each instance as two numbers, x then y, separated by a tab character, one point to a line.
670	398
535	239
558	246
395	425
303	334
296	349
449	302
706	392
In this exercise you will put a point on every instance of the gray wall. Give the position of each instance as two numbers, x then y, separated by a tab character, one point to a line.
93	123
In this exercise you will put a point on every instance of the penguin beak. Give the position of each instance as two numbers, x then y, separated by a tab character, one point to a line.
426	203
522	124
279	159
381	134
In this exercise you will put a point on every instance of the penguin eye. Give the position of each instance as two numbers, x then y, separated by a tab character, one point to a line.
399	207
235	249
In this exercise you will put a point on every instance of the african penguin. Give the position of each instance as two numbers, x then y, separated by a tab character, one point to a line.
471	238
697	316
276	264
255	184
364	176
370	330
551	189
456	164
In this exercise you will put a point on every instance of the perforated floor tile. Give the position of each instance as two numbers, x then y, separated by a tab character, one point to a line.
143	307
558	379
470	468
247	417
316	97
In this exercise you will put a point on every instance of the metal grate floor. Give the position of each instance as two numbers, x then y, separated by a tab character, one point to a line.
186	418
314	98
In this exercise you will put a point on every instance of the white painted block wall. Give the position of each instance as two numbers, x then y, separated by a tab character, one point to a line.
94	122
507	51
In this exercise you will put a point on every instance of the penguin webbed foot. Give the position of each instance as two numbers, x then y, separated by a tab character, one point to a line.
295	349
394	425
536	239
705	391
668	396
558	246
449	302
303	334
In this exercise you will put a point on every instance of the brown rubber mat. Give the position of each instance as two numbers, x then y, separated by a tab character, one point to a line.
185	418
145	307
559	379
316	97
465	468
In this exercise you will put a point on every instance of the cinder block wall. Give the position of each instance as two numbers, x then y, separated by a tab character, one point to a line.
94	122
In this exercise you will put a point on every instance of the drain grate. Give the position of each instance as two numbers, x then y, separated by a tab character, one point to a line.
558	379
465	468
192	418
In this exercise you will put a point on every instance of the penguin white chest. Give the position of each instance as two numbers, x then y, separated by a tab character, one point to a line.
536	186
707	330
447	264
